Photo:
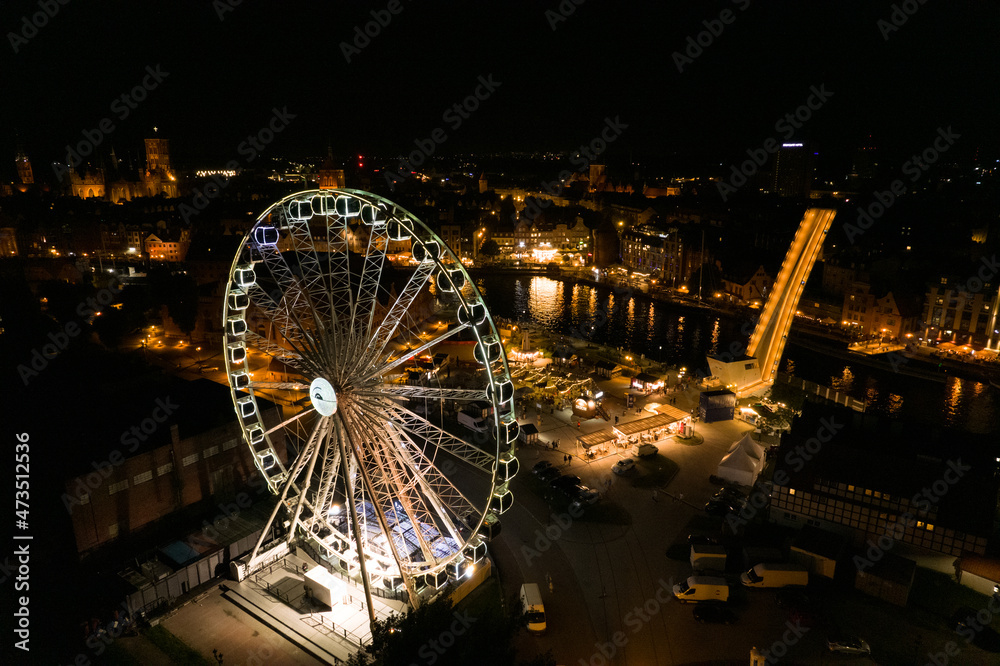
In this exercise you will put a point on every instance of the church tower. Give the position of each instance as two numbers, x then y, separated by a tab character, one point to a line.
330	177
24	172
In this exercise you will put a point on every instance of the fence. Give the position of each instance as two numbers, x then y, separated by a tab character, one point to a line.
165	590
824	392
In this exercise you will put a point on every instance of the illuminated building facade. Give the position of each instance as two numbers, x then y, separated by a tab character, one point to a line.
954	313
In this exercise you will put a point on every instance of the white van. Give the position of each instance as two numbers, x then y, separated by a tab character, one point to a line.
475	422
702	588
534	610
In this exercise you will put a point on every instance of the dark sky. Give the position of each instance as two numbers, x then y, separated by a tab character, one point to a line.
607	59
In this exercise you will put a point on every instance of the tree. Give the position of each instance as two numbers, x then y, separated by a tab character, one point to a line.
490	248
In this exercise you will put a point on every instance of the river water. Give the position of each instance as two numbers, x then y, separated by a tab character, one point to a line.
683	336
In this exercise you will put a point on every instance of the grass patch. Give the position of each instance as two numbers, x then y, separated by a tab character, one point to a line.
657	472
176	649
694	440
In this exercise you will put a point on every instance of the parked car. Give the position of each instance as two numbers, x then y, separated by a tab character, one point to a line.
549	474
624	466
722	508
847	645
964	623
565	481
729	495
583	494
540	467
701	540
713	612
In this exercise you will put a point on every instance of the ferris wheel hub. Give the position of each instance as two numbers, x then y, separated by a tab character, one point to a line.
323	397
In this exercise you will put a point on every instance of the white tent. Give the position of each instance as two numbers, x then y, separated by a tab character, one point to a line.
752	448
739	467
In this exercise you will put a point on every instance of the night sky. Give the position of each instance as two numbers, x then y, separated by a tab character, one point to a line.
606	59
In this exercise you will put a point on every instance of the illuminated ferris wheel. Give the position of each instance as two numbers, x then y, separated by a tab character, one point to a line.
341	354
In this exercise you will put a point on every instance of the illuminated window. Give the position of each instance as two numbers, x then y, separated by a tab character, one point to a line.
190	460
930	528
117	487
210	451
142	478
868	492
850	489
164	469
791	491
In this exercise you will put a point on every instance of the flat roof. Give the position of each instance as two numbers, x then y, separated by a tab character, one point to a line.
646	424
597	438
677	413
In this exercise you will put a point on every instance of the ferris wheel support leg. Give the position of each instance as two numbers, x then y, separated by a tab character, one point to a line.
270	521
380	514
312	464
357	532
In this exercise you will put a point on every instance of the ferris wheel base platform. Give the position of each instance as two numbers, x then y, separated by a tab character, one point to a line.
312	638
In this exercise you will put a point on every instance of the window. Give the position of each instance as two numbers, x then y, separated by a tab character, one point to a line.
210	451
190	460
142	478
113	531
164	469
228	445
791	491
84	498
117	487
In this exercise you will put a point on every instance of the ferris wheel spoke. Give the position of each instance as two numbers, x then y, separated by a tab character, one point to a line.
387	328
378	488
265	346
412	353
430	393
314	280
328	474
434	436
363	311
403	487
451	502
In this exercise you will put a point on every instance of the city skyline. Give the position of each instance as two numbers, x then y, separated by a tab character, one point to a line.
214	78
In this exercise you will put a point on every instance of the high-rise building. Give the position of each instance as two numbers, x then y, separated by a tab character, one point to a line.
791	171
